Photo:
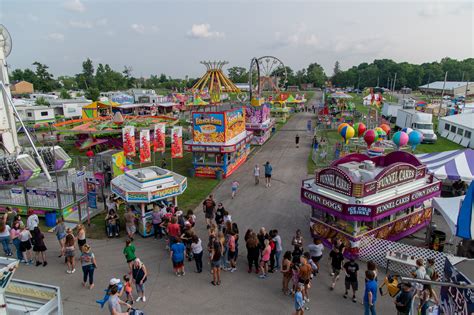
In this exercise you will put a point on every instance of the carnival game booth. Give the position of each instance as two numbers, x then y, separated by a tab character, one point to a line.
388	197
258	121
279	111
99	108
146	186
220	142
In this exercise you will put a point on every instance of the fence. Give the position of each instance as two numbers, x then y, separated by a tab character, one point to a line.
376	249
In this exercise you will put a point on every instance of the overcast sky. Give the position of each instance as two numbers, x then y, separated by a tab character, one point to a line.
173	36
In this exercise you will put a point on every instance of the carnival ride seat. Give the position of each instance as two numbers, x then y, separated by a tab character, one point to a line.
9	169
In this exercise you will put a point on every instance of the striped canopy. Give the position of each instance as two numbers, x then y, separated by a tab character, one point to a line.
453	165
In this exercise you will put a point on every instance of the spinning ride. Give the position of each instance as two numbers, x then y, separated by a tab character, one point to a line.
214	83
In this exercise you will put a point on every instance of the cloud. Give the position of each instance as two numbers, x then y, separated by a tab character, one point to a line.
33	17
74	5
102	22
139	28
155	28
437	9
81	24
203	31
58	37
110	33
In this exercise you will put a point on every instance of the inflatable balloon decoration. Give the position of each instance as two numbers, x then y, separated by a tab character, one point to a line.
400	139
407	130
347	132
415	138
339	128
359	128
381	135
385	128
369	137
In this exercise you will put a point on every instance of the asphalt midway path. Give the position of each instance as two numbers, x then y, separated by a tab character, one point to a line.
278	207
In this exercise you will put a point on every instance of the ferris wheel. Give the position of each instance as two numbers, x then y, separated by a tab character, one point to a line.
273	75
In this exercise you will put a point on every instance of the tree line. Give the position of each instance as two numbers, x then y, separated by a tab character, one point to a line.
382	72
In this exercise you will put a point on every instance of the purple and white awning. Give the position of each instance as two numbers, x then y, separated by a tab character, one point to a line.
453	165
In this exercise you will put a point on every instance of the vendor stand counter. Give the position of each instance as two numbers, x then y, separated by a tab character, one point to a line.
220	142
388	197
145	186
279	111
258	121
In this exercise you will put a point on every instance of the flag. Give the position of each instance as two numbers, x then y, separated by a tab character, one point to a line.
177	142
128	134
145	149
159	144
465	226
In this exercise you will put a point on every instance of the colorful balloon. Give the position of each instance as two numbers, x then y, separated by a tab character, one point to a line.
385	128
359	128
381	135
407	130
369	137
347	132
415	138
400	139
339	128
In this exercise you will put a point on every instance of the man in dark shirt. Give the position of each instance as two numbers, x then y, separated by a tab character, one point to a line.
209	207
336	264
351	268
404	299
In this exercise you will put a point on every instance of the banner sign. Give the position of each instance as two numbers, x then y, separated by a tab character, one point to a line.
159	144
128	134
177	142
119	163
456	301
145	149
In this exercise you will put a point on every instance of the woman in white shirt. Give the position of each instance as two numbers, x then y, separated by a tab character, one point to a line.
32	220
196	248
5	236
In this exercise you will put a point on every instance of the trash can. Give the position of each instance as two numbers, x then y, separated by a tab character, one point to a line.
438	239
50	218
191	172
274	129
219	175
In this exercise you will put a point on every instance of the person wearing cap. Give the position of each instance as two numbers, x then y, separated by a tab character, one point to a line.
404	300
114	302
88	264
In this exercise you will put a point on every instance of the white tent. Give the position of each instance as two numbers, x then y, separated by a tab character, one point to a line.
449	209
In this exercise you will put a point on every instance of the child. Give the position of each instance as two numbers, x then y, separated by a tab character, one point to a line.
299	302
295	276
128	289
235	185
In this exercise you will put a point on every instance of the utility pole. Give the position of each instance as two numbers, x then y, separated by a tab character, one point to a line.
394	82
467	89
442	93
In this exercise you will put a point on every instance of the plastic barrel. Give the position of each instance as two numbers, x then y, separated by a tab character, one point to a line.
50	219
219	175
191	172
438	239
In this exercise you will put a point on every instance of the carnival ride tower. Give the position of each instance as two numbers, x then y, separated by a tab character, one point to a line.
8	135
214	81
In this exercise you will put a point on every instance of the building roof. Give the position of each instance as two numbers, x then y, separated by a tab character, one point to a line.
438	85
466	120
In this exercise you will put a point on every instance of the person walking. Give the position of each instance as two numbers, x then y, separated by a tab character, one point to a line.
114	302
278	248
60	231
253	252
351	268
81	236
209	208
286	271
5	236
336	258
139	276
15	237
297	140
216	253
130	223
268	174
69	253
235	186
196	248
370	294
39	247
89	264
25	244
129	252
177	256
256	174
404	299
220	212
316	251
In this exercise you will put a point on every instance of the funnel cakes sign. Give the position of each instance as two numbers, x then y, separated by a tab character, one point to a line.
334	179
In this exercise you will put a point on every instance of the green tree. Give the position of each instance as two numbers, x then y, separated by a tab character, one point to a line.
238	74
86	78
337	68
44	80
92	94
64	94
41	101
315	74
67	82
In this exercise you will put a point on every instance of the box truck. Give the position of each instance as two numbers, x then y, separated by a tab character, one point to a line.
422	122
